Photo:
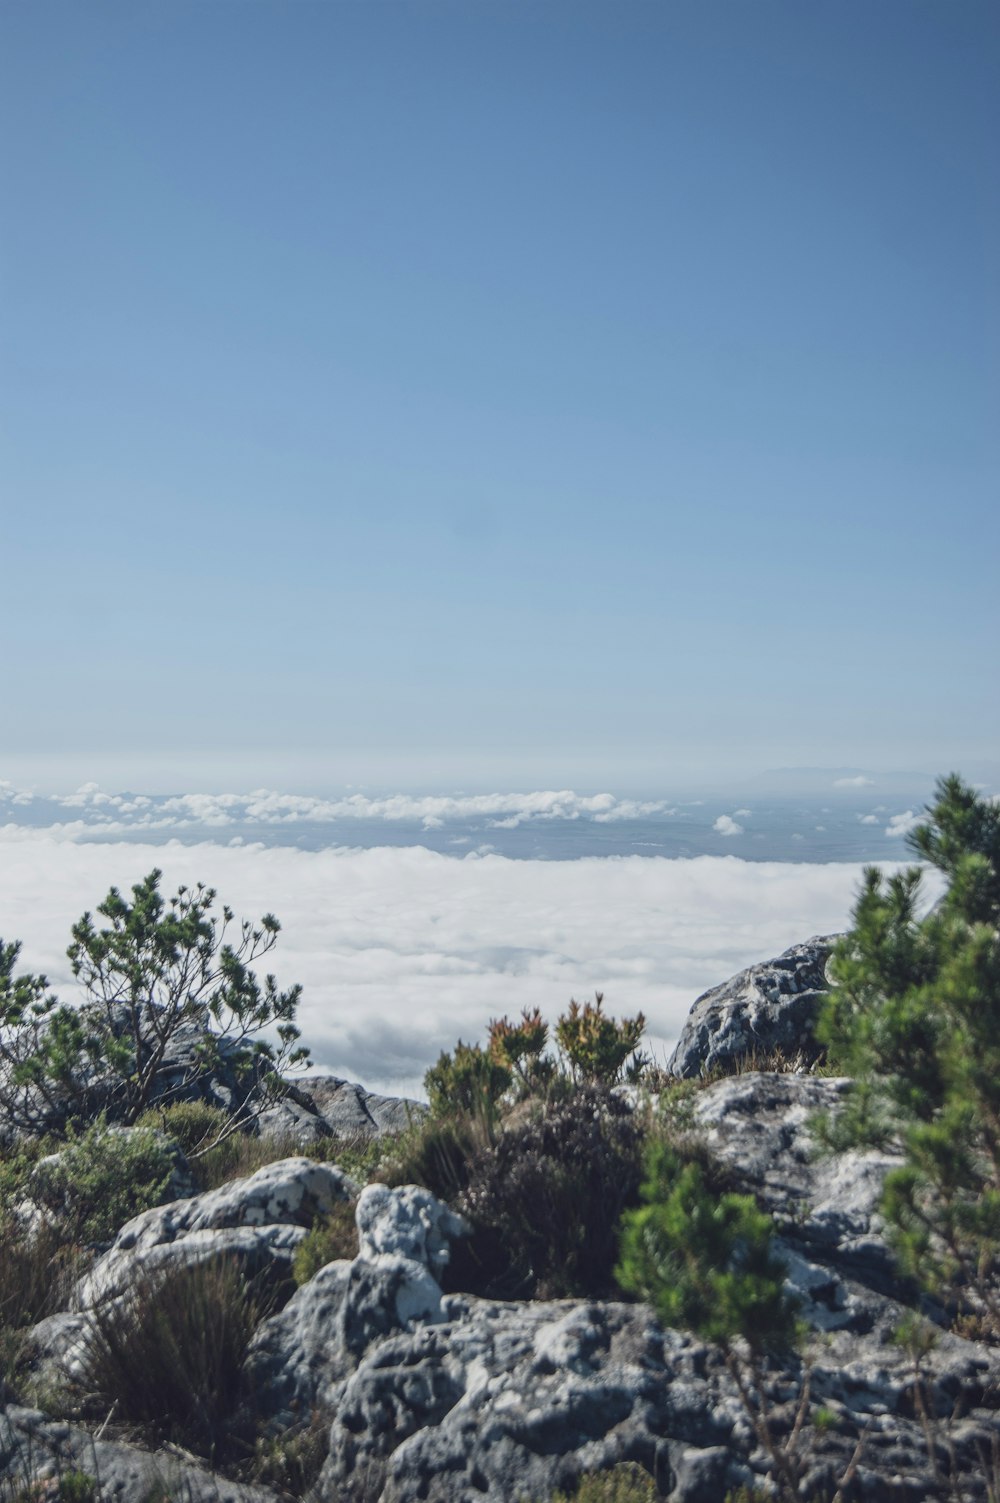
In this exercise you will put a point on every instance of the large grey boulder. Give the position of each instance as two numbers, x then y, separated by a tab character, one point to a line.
298	1356
348	1110
257	1222
770	1006
264	1215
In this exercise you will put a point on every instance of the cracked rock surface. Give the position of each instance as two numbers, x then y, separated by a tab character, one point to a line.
766	1007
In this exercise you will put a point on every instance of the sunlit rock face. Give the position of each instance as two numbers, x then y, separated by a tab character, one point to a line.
766	1008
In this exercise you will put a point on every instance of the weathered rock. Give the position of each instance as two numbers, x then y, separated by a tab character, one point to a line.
349	1110
36	1451
768	1007
453	1398
259	1220
299	1354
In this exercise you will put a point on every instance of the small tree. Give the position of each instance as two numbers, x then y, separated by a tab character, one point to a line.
154	970
706	1261
915	1018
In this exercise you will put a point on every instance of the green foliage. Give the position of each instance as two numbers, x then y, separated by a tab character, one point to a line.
705	1260
78	1487
102	1178
472	1080
626	1483
169	1356
915	1017
155	966
598	1047
520	1049
594	1049
194	1126
333	1237
545	1200
438	1153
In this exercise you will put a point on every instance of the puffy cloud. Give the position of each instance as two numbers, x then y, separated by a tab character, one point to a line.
867	819
726	825
742	813
902	824
114	813
859	782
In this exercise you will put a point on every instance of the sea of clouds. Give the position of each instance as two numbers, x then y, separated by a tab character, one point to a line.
401	950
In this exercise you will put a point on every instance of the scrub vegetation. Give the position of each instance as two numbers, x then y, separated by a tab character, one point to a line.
578	1166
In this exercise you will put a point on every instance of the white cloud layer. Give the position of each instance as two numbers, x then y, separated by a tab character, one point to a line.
402	950
116	813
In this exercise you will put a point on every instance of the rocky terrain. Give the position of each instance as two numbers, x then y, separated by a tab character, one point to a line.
421	1394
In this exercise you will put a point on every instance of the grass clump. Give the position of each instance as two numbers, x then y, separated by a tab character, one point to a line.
38	1268
168	1356
333	1237
626	1483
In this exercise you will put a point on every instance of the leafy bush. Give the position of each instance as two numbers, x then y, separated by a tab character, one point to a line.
594	1049
334	1236
102	1178
520	1048
169	1355
915	1018
546	1199
194	1126
472	1081
156	967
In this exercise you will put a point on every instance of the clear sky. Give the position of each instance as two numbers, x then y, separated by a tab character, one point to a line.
498	393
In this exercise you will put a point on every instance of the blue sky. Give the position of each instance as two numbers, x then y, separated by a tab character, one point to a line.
495	394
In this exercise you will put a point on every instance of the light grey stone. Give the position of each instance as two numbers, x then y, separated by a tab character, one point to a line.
768	1006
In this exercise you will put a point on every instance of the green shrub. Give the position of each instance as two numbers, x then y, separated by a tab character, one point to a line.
471	1081
915	1018
333	1237
78	1487
193	1125
157	966
546	1199
626	1483
520	1048
169	1355
594	1050
102	1178
705	1260
597	1047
